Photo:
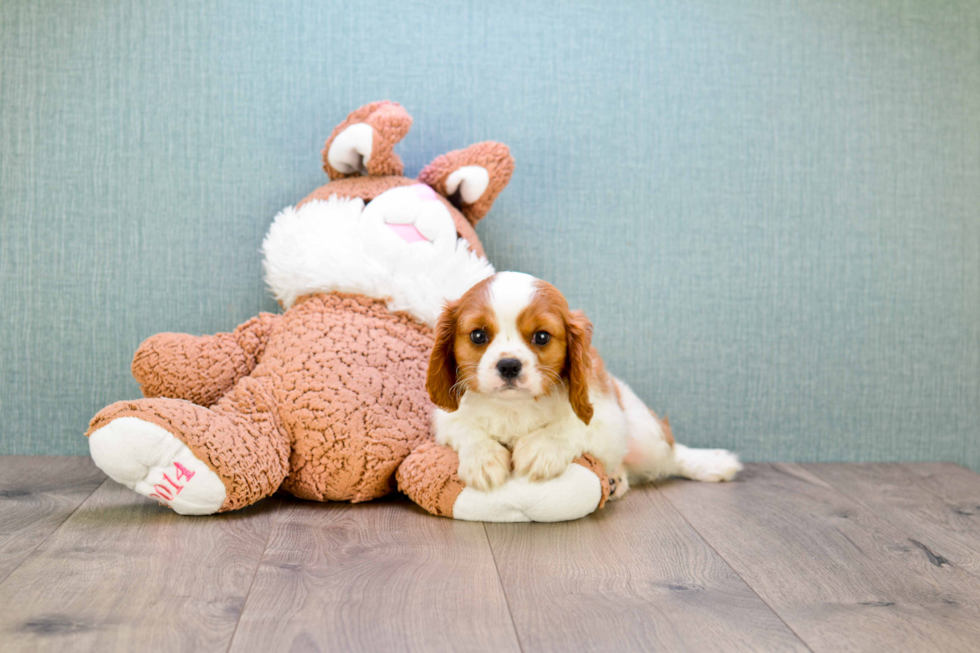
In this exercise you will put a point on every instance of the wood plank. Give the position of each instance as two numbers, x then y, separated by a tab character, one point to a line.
379	576
839	574
946	526
124	574
633	576
953	483
37	494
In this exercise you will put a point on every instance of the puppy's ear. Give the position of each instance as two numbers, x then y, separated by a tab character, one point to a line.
471	178
578	363
442	363
363	144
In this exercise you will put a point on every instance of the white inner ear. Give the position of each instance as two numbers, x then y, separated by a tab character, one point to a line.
471	181
351	150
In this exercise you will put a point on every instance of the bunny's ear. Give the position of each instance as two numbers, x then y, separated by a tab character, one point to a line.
471	178
364	143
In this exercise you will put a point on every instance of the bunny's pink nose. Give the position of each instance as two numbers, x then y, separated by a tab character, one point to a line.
407	232
424	192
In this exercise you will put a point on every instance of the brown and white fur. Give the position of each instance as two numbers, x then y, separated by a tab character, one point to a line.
512	398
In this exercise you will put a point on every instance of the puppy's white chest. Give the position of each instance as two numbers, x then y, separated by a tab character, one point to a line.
508	431
509	422
509	437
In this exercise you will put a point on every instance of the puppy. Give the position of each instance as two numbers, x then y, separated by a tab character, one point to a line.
519	386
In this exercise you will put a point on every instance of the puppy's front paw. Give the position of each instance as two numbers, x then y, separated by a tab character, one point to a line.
484	466
541	458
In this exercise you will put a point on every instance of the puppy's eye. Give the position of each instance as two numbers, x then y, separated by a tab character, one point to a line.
541	338
478	337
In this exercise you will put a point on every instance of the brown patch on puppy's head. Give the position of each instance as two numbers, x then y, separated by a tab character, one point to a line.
452	366
566	354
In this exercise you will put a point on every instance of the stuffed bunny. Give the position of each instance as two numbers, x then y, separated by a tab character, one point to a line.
327	400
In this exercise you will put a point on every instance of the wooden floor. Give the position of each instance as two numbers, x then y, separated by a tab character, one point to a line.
881	557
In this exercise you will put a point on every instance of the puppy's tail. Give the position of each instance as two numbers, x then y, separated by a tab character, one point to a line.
711	465
652	452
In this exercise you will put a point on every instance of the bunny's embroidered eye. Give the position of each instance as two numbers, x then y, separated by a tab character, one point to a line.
478	337
541	338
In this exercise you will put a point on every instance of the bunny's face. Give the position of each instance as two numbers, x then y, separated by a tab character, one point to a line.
450	196
412	210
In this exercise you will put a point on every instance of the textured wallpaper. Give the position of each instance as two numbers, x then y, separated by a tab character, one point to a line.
770	210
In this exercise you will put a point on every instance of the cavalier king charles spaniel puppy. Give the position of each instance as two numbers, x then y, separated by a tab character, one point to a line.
519	387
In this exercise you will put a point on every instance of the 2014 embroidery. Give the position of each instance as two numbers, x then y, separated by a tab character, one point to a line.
164	493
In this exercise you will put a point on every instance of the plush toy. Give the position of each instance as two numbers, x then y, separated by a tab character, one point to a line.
327	400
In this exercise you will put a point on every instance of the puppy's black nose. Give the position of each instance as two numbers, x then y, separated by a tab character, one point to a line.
509	368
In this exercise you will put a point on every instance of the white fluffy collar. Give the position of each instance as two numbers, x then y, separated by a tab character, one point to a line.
326	246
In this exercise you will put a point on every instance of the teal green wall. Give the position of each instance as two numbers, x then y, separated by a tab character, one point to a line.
771	210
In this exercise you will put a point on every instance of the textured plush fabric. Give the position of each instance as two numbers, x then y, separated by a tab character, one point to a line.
390	122
495	157
354	377
336	403
591	463
769	209
429	477
200	369
241	438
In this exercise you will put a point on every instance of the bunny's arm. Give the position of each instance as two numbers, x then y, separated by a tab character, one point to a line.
200	369
429	476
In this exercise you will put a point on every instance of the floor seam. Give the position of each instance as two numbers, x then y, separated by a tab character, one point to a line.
503	590
279	509
56	529
734	571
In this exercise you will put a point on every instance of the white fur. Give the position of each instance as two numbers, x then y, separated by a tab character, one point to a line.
539	434
709	465
338	245
510	293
